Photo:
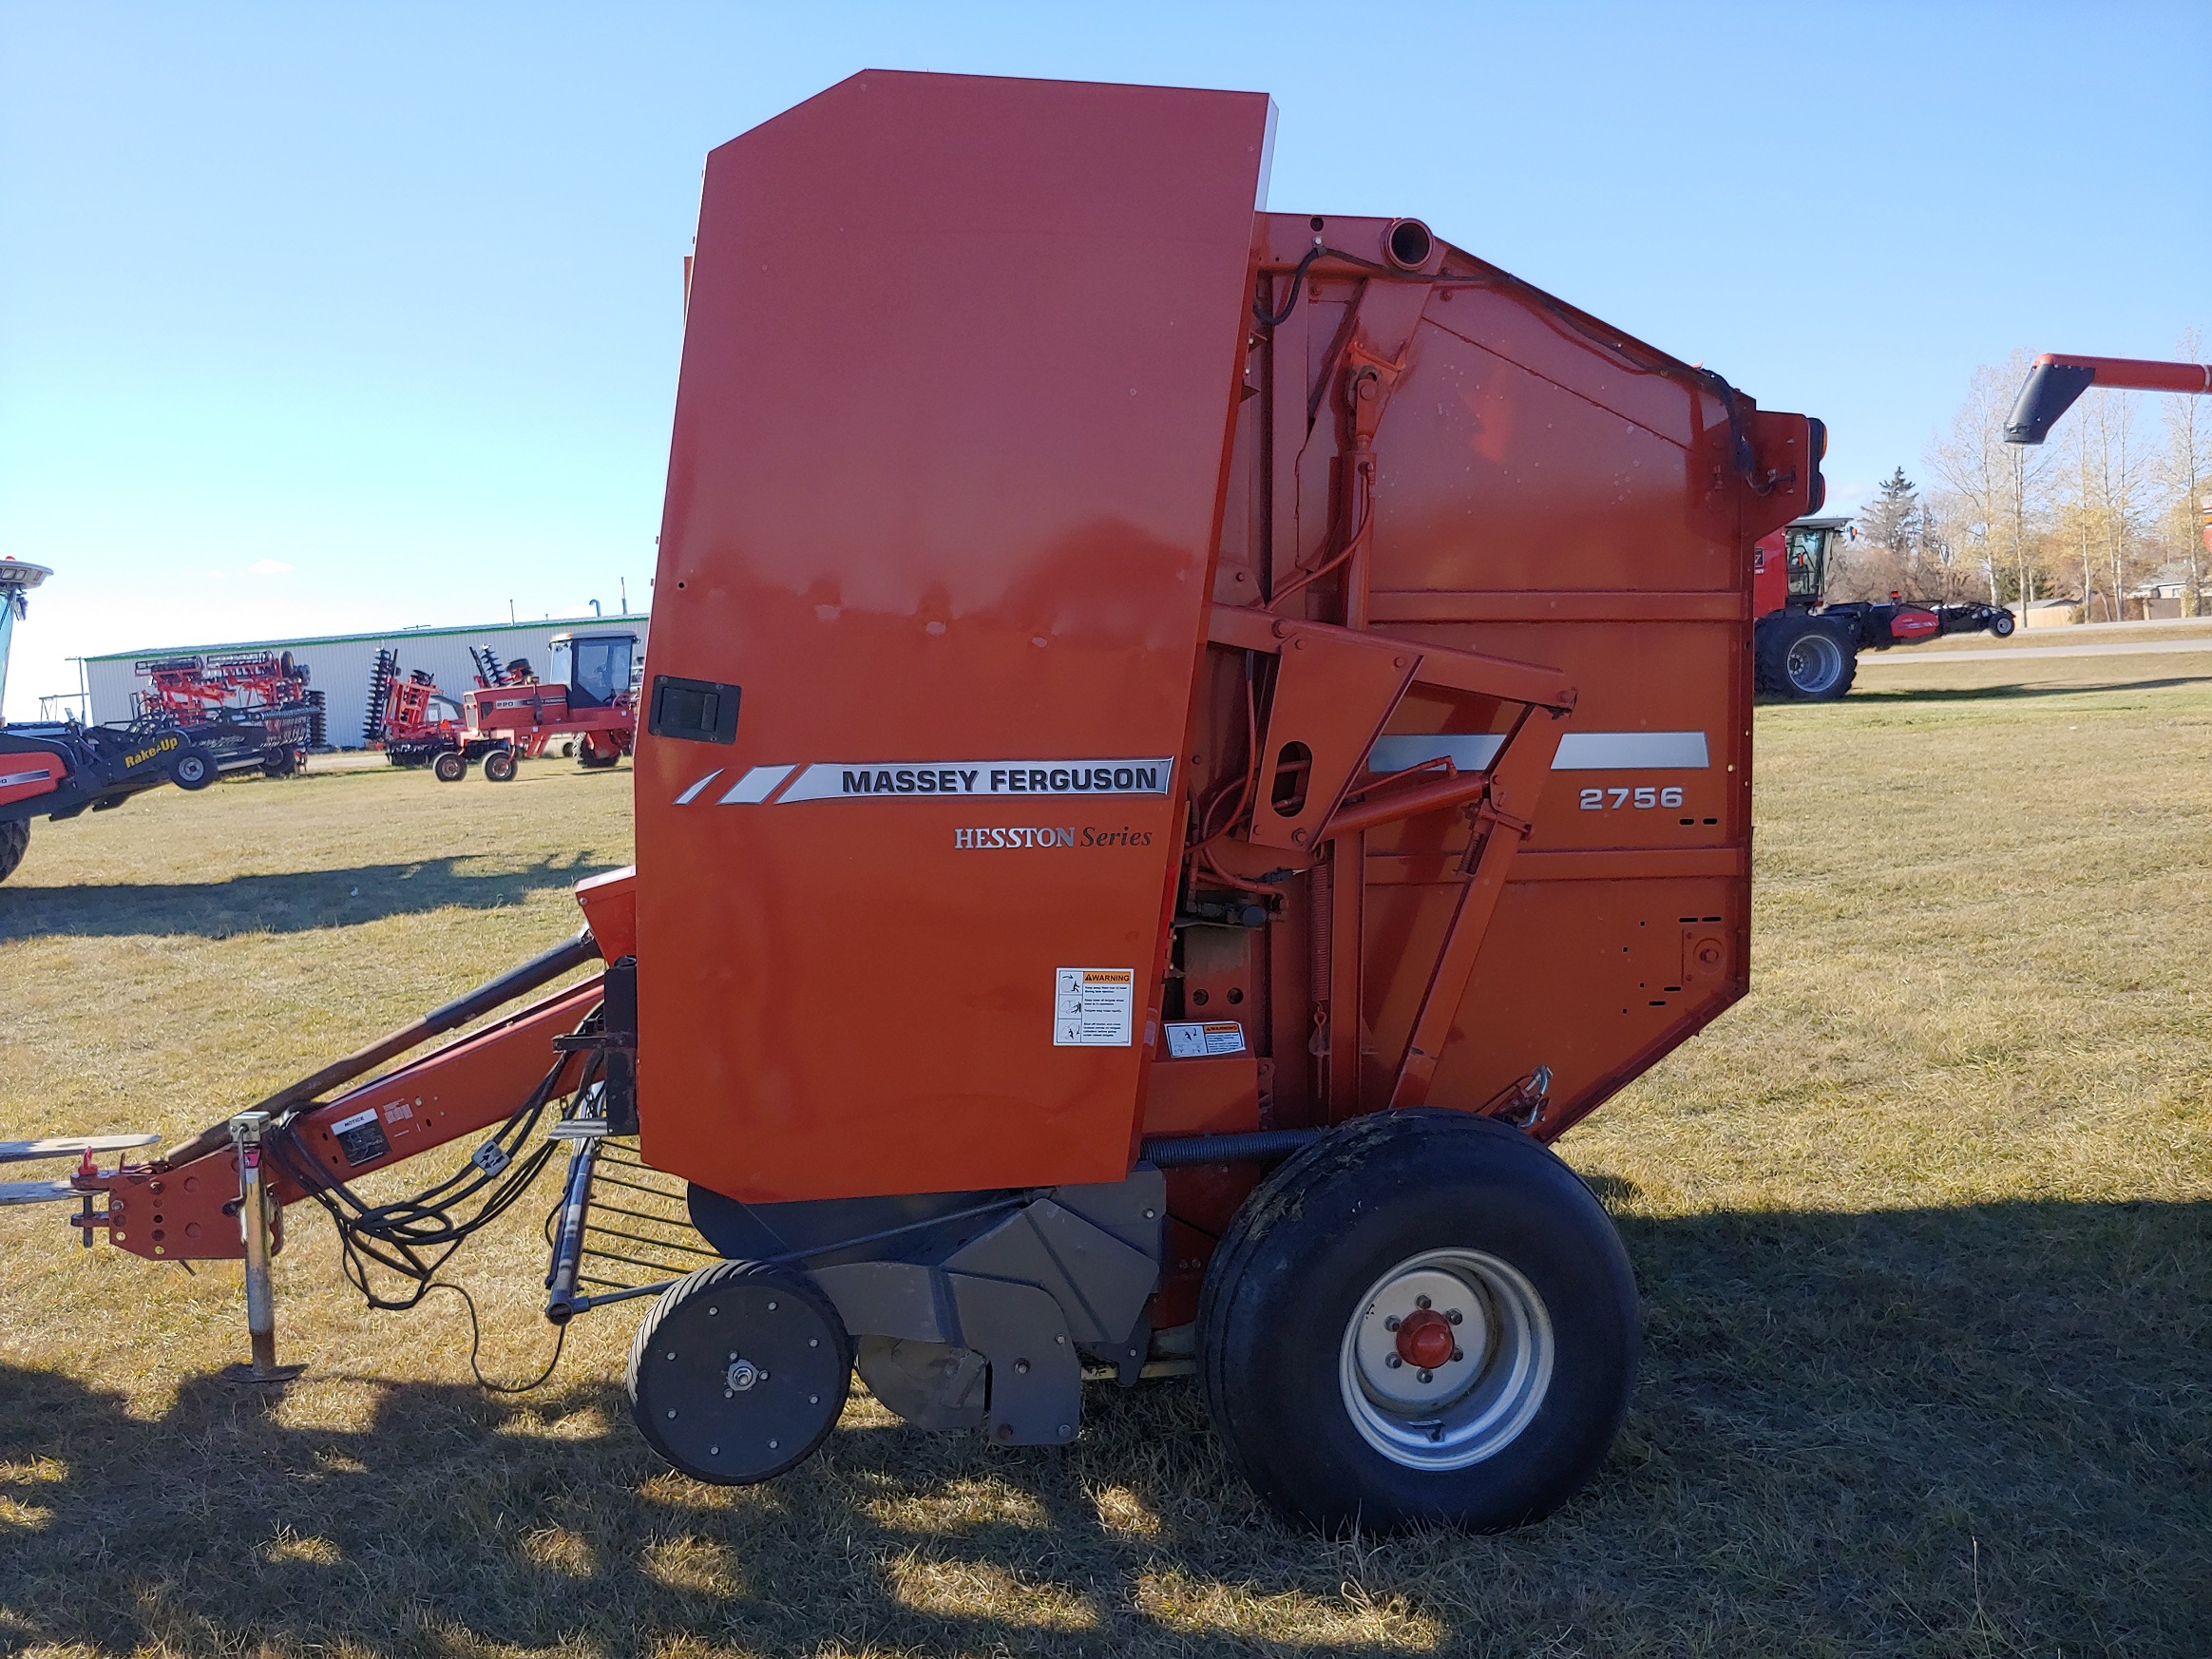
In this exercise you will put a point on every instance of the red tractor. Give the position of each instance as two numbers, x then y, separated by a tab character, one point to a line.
511	713
1808	649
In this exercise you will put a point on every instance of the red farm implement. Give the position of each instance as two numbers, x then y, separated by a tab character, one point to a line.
198	718
1185	744
511	713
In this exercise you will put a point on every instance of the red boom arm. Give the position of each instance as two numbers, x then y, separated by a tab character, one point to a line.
2058	378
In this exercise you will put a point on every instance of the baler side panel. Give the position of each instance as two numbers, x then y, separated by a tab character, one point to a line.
1550	492
950	443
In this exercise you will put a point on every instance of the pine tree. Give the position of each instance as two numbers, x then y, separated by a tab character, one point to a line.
1892	520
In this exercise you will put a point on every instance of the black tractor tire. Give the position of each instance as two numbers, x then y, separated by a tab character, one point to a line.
450	767
14	841
1456	1215
279	762
2002	625
1812	660
591	758
193	768
683	1394
499	766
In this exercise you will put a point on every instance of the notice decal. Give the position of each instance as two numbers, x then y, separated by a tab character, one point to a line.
1094	1008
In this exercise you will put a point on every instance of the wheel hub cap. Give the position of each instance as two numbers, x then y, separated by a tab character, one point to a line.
1446	1360
1425	1340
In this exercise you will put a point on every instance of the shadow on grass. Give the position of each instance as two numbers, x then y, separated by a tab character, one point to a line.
2005	693
1969	1431
292	902
1860	696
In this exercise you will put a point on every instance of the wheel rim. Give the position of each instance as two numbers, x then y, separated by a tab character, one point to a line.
1814	663
1470	1406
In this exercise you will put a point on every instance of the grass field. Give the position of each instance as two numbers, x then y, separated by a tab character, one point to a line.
1924	1231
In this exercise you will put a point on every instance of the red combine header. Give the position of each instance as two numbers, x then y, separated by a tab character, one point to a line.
198	718
1185	745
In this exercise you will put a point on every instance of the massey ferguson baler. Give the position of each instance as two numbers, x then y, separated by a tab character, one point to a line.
1185	745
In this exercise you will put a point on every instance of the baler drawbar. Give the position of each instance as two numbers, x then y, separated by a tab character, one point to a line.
1182	746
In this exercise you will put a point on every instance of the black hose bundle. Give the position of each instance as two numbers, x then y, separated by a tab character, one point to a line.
413	1237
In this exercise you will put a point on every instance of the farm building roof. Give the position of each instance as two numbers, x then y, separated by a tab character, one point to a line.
412	632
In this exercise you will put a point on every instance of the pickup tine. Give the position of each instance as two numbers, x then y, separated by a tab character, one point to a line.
38	1191
66	1146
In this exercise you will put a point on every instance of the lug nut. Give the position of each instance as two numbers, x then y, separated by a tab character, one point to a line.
1421	1302
1392	1361
1459	1353
1428	1375
1391	1323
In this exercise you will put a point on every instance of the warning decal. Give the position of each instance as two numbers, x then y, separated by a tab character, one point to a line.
1094	1008
1191	1039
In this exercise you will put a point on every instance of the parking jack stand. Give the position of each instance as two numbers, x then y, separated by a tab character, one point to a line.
247	1132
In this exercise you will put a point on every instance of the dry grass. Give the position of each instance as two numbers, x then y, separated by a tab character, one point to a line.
1924	1231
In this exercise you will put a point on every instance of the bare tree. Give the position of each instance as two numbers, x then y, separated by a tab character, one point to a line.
1999	487
2185	470
2106	477
2077	497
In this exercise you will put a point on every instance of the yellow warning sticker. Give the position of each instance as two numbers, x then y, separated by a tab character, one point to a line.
1094	1008
1194	1039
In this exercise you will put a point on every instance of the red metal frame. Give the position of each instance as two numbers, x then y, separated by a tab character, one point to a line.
189	688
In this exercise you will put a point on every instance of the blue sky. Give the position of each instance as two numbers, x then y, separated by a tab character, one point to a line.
324	318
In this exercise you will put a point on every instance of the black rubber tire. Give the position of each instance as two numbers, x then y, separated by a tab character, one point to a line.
14	841
2002	625
499	766
588	756
1812	660
1298	1260
828	1373
193	768
450	767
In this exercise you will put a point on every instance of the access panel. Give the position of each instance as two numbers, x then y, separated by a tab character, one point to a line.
959	371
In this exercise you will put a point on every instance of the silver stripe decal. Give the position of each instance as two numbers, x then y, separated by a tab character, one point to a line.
1578	751
1632	752
24	777
1468	751
756	785
686	798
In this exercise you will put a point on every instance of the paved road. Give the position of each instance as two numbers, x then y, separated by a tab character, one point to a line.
2115	648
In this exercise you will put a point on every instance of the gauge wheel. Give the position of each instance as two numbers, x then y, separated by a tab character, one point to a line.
2002	625
740	1372
15	842
193	768
499	766
450	767
1422	1317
